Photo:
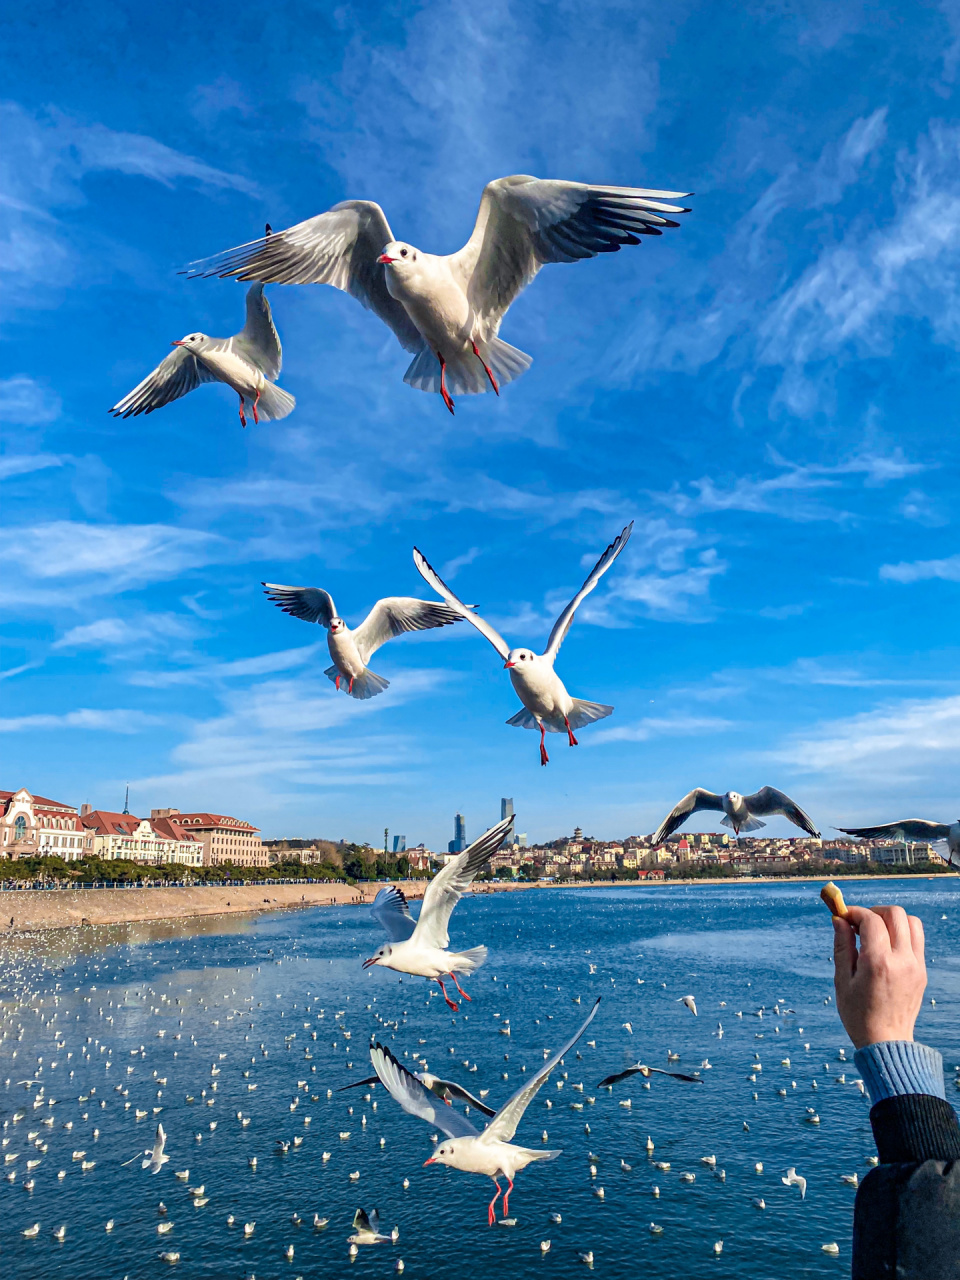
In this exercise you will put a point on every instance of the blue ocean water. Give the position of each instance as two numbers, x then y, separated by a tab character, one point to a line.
142	1016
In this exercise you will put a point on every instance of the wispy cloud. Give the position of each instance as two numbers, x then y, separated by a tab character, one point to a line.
143	632
205	673
650	727
119	720
920	570
24	401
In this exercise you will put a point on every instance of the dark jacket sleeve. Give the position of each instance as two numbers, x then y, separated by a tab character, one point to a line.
906	1224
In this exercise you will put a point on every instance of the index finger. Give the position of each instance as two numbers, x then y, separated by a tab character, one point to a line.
874	935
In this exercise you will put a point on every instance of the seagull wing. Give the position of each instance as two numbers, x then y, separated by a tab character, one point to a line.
391	912
357	1083
908	829
676	1075
415	1099
361	1222
692	802
429	574
504	1124
523	223
562	624
161	1139
396	615
615	1079
312	604
769	800
258	340
451	882
464	1095
175	376
339	247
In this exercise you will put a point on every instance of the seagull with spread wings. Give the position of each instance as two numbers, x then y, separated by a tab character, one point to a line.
351	650
914	829
420	947
447	1091
447	310
547	705
249	362
640	1068
491	1152
742	813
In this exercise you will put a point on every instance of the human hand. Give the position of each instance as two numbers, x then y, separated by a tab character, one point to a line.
880	987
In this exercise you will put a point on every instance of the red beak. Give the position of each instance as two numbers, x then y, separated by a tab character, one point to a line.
383	258
178	343
508	664
367	963
430	1161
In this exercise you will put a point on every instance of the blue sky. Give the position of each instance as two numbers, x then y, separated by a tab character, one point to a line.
769	392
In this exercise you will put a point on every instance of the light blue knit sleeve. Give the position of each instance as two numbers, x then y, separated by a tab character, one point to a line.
894	1067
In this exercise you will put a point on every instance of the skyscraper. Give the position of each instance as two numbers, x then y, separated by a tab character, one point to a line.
459	841
399	844
506	811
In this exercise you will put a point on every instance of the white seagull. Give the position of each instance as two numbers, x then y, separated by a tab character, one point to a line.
690	1003
249	362
640	1068
547	705
447	310
366	1228
419	947
491	1152
740	812
793	1179
914	829
351	650
154	1157
447	1091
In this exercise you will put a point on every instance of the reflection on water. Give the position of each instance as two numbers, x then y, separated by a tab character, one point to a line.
230	1031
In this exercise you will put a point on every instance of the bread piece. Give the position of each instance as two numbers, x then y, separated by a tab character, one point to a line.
832	896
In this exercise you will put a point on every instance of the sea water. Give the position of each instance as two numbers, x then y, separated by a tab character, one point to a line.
165	1005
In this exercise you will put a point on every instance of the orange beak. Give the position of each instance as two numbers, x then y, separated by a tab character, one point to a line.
430	1161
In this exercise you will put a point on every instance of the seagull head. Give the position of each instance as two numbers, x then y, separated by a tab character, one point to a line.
194	342
398	255
735	798
336	625
379	957
447	1153
520	658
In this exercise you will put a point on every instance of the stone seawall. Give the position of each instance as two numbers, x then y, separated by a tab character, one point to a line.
23	910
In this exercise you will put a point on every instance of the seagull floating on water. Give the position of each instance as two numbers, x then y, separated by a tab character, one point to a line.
249	362
447	310
419	947
351	650
742	813
491	1152
547	705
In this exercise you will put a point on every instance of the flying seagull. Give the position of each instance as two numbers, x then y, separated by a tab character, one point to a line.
645	1071
741	812
491	1152
249	362
447	310
914	829
419	947
366	1227
547	705
352	650
153	1157
446	1090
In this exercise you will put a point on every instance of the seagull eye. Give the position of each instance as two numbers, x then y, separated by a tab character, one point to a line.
403	253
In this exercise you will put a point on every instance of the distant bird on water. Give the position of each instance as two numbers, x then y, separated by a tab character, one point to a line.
491	1152
419	947
351	650
742	813
249	362
914	829
547	705
447	310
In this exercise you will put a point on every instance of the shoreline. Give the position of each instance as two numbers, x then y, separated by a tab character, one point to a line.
29	910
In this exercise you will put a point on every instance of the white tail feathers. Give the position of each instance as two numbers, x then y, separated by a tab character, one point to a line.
581	713
468	961
466	375
751	824
274	403
532	1155
367	685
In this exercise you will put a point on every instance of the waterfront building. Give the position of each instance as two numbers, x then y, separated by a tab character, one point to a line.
223	839
152	840
459	841
33	826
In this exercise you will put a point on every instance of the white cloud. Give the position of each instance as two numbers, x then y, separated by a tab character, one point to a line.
120	720
452	567
920	570
678	726
204	673
145	631
27	403
24	464
669	597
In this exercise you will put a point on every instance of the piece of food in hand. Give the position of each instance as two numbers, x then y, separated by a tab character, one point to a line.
832	896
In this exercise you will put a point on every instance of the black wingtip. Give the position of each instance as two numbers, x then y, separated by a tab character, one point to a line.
268	230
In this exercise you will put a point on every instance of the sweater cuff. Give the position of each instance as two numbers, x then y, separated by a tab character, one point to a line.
892	1068
912	1128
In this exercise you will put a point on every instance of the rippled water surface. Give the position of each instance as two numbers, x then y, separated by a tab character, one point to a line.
116	1022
